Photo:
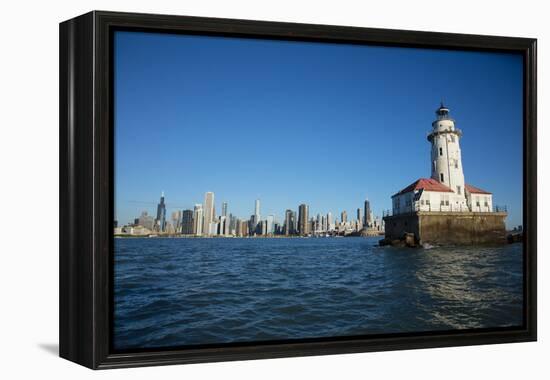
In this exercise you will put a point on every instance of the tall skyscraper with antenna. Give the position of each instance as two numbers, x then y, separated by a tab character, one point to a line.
161	214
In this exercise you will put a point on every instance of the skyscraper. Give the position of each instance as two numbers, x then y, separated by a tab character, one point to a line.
318	223
253	225
223	226
232	224
257	209
359	214
290	222
242	228
146	221
187	222
224	209
176	220
344	216
161	214
198	221
330	222
367	220
208	208
270	224
303	219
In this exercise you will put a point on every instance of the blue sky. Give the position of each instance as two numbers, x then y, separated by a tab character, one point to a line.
296	122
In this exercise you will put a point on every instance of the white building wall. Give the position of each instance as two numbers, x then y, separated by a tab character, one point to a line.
403	203
480	202
446	157
430	201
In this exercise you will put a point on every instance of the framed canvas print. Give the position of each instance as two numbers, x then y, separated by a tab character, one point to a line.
237	189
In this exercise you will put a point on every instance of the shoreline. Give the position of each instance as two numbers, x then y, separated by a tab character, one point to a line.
128	236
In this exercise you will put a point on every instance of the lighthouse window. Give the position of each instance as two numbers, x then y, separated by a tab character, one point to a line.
456	164
441	177
458	190
452	138
441	151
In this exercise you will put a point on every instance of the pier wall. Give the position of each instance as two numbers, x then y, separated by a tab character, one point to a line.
461	228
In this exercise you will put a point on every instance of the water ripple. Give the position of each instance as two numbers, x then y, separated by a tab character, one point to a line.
173	292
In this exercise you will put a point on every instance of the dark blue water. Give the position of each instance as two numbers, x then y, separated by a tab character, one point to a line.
173	292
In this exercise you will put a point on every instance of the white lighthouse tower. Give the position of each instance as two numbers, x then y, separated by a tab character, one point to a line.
444	209
446	158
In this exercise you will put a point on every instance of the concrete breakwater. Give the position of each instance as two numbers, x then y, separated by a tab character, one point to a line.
445	228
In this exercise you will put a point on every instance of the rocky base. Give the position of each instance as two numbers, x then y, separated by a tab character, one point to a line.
408	240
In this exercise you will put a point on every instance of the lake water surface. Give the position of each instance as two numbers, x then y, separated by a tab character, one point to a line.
178	291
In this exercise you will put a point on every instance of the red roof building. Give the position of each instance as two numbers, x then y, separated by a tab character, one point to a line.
427	184
475	190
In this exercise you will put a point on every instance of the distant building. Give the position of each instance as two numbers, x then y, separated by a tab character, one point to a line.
242	228
134	230
146	221
223	226
198	220
232	224
212	228
208	213
224	209
367	215
344	217
170	229
253	225
187	222
270	225
176	220
290	223
318	224
330	222
257	209
161	214
303	219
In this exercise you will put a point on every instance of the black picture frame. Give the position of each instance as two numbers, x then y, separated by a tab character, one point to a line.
86	187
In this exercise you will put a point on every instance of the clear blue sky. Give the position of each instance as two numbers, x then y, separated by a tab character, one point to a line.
292	122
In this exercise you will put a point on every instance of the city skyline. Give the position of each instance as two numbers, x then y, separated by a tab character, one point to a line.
353	127
193	221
